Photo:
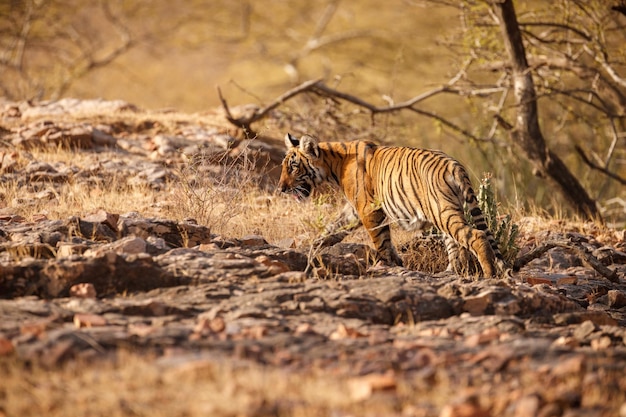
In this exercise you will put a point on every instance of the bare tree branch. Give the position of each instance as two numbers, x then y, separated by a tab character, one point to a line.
244	122
318	87
577	248
91	62
597	167
606	66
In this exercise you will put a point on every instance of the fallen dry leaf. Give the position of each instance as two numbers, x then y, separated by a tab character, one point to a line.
486	336
89	320
362	387
344	332
83	290
205	325
274	267
6	346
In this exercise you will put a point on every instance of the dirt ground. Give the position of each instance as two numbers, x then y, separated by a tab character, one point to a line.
125	308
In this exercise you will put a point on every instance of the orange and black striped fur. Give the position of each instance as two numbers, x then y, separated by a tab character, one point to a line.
391	184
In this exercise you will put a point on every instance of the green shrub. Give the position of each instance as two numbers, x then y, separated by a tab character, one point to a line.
504	231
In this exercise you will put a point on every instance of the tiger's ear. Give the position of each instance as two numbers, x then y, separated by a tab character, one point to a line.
291	141
310	146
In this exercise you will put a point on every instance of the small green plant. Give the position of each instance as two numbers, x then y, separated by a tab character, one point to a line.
319	223
504	231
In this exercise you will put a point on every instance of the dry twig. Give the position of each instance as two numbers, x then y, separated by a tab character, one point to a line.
597	167
579	250
318	87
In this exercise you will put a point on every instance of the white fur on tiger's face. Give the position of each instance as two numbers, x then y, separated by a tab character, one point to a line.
395	184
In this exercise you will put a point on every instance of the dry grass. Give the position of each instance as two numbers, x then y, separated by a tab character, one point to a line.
193	388
226	201
60	199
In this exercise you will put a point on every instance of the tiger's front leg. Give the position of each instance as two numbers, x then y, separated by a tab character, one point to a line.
376	225
347	221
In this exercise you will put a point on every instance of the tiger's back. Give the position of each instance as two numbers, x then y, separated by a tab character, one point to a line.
394	184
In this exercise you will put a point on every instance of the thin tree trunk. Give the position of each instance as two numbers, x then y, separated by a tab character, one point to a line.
527	134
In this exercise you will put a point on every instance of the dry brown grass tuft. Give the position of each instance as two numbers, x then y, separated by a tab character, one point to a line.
71	196
424	253
135	385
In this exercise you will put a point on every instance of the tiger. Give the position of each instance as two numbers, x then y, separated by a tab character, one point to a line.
403	185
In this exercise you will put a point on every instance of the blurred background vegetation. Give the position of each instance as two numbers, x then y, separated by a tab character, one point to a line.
161	54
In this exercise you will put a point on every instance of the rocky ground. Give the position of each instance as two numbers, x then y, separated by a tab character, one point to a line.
548	340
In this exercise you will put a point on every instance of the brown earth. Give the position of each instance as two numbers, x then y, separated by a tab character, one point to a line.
94	290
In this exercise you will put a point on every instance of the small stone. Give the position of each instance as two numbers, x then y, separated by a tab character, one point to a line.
477	305
599	318
570	342
288	243
584	330
83	290
104	217
131	245
466	409
140	329
617	299
304	328
527	406
37	327
344	332
65	249
89	320
486	336
253	240
206	326
361	388
568	366
601	343
101	138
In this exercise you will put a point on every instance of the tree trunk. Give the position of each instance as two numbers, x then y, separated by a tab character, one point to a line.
527	134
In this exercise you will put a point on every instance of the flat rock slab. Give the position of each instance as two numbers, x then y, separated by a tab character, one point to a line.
245	298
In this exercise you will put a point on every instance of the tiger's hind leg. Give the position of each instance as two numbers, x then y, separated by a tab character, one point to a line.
477	242
474	240
459	258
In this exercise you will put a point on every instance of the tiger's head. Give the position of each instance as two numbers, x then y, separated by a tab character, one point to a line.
301	172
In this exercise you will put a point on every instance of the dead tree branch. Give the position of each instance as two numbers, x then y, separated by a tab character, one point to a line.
244	122
597	167
318	87
579	250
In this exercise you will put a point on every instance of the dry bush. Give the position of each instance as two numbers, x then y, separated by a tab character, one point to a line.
212	187
425	253
221	190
